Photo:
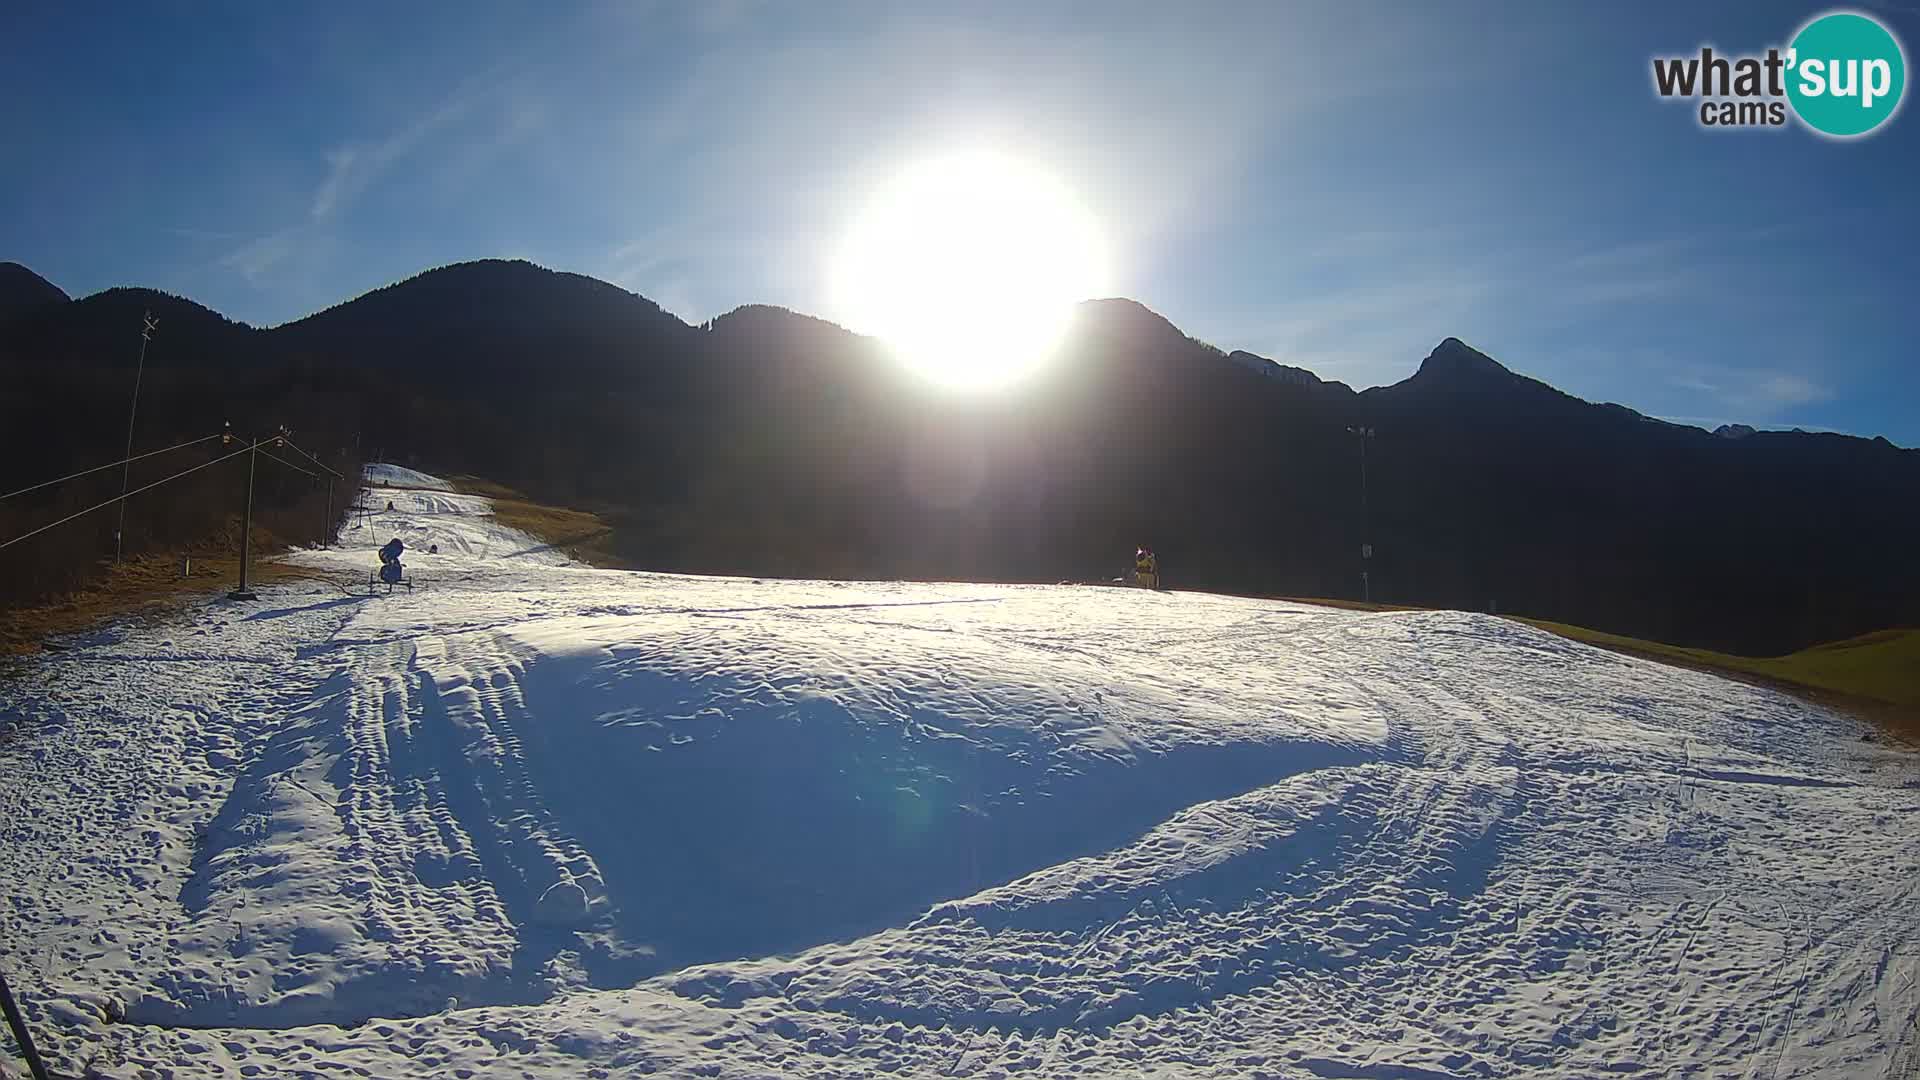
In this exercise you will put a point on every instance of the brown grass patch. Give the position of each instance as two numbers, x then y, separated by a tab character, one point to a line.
579	533
474	485
147	590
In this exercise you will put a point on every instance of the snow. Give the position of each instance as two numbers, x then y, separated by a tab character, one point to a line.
386	474
535	819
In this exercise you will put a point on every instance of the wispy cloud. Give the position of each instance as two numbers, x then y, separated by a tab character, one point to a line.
354	167
339	164
488	115
1781	388
1634	257
216	235
1751	391
257	256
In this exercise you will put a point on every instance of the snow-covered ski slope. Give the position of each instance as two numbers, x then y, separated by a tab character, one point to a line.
536	819
389	475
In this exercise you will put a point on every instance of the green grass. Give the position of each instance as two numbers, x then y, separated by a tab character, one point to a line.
1875	676
1883	666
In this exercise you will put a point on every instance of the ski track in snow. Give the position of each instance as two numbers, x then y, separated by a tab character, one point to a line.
535	819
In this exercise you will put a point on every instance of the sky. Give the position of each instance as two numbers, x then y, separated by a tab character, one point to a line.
1330	187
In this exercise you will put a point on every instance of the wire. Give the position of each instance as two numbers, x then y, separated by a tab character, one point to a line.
291	465
289	444
117	498
313	459
108	465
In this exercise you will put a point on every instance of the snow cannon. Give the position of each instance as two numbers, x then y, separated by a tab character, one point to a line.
391	572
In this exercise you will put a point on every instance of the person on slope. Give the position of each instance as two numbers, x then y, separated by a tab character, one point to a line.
1146	568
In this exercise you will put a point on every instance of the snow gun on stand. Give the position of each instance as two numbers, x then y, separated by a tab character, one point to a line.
391	573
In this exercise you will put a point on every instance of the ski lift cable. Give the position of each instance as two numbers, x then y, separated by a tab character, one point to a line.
313	459
109	465
117	498
277	439
280	438
291	465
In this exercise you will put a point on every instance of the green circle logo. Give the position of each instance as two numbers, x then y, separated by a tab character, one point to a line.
1846	74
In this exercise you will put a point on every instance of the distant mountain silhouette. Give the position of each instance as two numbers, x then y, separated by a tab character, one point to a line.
23	290
770	442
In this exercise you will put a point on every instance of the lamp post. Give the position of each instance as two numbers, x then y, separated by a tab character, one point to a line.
147	325
1365	435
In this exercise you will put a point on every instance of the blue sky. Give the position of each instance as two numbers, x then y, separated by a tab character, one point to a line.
1333	188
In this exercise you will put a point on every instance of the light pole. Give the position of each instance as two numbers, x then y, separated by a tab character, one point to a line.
1365	435
246	521
147	325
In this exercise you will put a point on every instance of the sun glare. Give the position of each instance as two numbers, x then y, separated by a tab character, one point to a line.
968	267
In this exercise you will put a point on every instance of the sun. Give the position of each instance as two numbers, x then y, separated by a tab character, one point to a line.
968	266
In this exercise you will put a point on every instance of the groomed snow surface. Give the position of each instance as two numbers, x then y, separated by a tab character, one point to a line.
531	819
399	476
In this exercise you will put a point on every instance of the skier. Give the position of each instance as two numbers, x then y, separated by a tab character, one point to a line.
1146	568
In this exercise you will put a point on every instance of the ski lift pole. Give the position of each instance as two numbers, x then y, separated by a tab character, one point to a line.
326	523
246	521
20	1035
147	325
246	529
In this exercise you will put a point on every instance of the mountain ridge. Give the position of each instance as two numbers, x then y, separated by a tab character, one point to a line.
22	290
1449	359
768	442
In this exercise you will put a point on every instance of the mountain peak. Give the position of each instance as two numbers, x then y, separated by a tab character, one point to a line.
498	292
1132	324
773	314
1132	316
783	329
22	290
1455	357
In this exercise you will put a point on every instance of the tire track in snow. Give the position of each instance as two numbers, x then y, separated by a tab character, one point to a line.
1414	832
1502	888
